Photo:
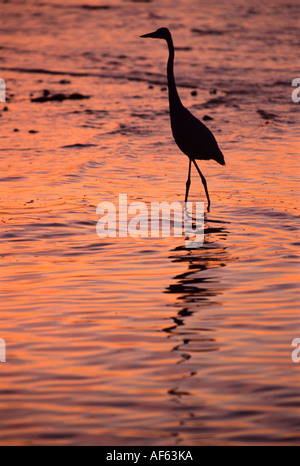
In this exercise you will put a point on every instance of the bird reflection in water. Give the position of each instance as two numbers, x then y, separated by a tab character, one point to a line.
196	290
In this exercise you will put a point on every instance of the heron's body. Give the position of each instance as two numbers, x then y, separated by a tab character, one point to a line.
193	138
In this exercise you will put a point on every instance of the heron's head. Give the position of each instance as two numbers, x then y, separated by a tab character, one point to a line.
161	33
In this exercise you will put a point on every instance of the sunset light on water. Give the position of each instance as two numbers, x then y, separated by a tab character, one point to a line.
145	341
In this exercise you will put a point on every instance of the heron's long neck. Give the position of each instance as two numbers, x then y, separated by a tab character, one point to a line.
173	94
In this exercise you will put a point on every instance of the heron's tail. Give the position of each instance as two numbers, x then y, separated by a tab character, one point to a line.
220	158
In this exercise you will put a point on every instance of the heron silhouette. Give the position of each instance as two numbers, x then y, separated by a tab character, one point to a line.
193	138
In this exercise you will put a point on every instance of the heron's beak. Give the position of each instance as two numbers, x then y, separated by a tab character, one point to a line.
152	35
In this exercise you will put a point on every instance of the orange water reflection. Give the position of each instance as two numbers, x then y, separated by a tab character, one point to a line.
125	342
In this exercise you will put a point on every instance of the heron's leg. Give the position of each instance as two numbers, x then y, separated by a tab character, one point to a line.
188	183
204	184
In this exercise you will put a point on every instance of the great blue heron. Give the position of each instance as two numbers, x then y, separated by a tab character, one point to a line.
192	137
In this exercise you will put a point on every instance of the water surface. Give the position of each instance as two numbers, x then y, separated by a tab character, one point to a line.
141	341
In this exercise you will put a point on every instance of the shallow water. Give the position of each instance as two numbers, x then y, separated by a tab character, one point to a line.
142	341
